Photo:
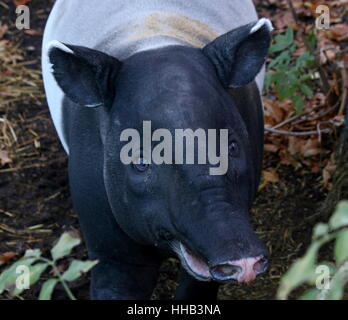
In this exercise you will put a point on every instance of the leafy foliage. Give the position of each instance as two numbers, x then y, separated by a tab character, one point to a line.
38	264
290	75
307	270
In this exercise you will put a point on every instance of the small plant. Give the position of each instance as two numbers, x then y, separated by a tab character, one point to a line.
290	75
36	265
329	286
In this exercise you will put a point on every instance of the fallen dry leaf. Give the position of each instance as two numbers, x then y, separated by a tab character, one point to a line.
328	48
338	32
33	32
273	112
7	256
271	147
3	30
21	2
319	99
310	148
4	157
304	147
269	176
294	146
329	170
282	20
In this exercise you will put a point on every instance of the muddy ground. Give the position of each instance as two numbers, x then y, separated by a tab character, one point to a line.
34	192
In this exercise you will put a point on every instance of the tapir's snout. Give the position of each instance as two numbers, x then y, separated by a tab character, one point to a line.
243	270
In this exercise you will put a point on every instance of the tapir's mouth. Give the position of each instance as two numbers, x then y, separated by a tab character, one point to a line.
193	264
243	270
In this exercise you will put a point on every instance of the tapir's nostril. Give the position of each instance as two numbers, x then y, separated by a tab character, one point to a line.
261	265
224	272
243	270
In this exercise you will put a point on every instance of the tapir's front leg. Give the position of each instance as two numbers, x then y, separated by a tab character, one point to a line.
124	272
126	269
117	281
192	289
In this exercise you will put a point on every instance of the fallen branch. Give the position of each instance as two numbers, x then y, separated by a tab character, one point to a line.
298	118
304	133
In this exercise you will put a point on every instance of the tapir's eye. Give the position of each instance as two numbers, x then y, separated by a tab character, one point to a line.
233	149
141	165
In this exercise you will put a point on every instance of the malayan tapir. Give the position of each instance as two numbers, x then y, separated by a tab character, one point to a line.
113	64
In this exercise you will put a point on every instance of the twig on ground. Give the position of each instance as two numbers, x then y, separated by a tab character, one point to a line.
344	88
323	114
301	117
304	133
34	165
286	121
9	214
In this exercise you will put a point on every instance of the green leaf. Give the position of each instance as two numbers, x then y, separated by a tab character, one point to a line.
323	273
47	289
32	253
298	103
312	41
340	217
76	269
311	294
306	90
320	230
35	272
332	268
284	90
304	61
293	48
283	59
282	41
301	271
305	77
341	246
338	283
267	82
64	246
9	276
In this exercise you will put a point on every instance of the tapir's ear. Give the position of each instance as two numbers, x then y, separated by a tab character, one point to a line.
239	54
86	76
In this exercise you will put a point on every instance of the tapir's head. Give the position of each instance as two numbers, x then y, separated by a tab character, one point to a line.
202	216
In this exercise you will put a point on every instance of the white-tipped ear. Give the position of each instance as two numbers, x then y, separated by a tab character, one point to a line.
261	23
239	55
55	44
86	76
